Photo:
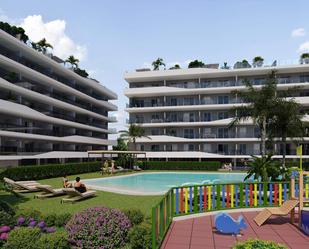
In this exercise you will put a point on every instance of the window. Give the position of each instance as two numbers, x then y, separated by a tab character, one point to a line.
242	131
242	149
155	147
173	101
223	149
192	117
188	133
154	102
223	132
207	116
189	147
142	147
189	101
223	115
223	99
155	132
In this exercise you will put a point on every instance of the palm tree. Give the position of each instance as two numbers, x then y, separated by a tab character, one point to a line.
258	105
287	122
157	63
43	45
262	168
73	61
134	132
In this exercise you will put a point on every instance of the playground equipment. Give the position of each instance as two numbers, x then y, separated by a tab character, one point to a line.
225	223
299	195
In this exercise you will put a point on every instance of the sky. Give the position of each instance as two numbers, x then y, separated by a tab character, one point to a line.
112	37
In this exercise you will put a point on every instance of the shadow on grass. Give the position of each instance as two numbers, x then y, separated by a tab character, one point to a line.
13	199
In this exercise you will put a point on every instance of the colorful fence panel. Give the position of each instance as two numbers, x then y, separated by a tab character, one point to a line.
187	200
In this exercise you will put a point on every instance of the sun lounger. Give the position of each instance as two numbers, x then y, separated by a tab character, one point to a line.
137	168
8	180
49	191
285	209
76	196
22	187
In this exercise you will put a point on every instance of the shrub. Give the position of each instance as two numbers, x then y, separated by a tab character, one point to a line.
28	213
6	207
98	227
49	219
62	219
258	244
49	171
180	165
58	220
6	219
140	236
23	237
57	240
136	216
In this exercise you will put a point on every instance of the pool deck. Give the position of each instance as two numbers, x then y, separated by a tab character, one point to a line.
199	233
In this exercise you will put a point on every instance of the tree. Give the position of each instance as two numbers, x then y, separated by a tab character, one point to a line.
81	72
262	168
258	105
43	45
286	122
196	64
257	61
304	58
123	159
157	63
134	132
176	66
73	61
15	31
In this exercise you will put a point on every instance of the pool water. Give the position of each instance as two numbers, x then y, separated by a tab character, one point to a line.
159	183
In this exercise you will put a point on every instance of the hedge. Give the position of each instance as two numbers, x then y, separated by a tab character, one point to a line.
180	165
22	173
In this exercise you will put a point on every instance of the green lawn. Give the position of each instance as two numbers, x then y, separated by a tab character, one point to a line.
53	205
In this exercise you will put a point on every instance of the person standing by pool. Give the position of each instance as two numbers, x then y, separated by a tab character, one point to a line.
79	186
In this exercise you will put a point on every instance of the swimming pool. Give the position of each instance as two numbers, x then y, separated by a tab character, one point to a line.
157	183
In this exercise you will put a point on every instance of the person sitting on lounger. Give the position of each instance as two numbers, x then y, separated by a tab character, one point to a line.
79	186
66	183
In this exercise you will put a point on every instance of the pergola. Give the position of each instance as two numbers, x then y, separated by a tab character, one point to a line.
114	152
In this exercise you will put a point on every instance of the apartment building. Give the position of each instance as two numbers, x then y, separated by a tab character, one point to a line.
187	112
47	107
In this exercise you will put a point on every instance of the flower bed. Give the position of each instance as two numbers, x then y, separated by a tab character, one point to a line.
99	227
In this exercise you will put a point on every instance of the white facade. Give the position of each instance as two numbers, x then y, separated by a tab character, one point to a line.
46	107
186	112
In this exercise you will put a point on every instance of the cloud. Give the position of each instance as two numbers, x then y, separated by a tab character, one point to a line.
54	32
304	47
299	32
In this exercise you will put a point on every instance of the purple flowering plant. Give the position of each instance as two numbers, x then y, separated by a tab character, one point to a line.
98	227
22	221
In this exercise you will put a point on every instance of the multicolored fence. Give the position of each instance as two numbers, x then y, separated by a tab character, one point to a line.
187	200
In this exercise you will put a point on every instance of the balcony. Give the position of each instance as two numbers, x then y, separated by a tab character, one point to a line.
112	130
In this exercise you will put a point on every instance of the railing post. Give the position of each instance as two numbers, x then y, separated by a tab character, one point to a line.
218	197
195	200
241	194
172	203
265	194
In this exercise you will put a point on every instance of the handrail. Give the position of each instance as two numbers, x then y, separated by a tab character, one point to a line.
192	199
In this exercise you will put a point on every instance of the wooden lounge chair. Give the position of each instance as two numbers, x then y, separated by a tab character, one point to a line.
75	195
48	191
285	209
22	187
10	181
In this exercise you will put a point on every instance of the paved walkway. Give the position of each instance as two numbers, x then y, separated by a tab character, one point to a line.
199	233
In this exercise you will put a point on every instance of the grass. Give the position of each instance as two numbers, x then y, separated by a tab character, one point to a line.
53	205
